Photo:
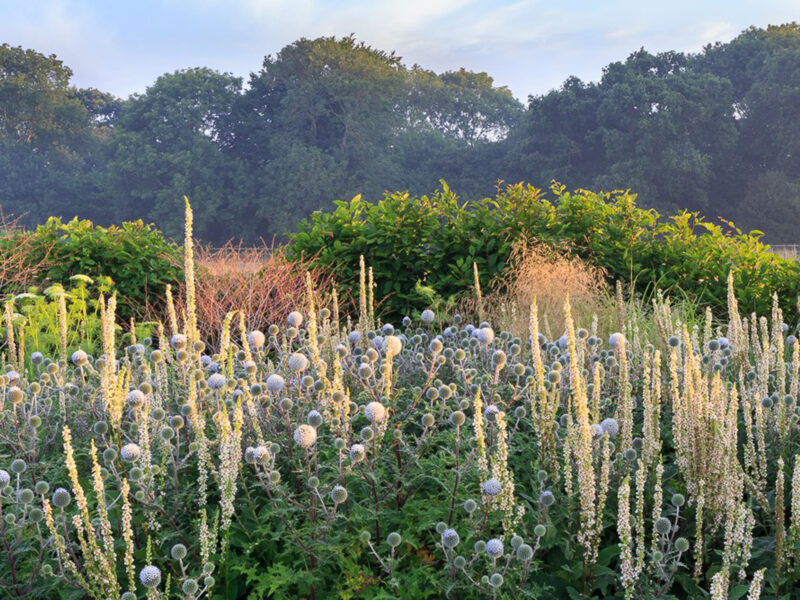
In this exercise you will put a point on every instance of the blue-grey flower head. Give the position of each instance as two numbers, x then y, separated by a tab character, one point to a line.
256	339
79	358
295	319
297	362
357	453
615	340
491	412
450	538
354	337
135	398
217	381
563	342
275	383
492	487
130	452
150	576
5	479
610	426
494	548
305	436
485	335
427	316
178	341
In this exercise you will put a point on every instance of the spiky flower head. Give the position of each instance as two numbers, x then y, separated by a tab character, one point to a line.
130	452
217	381
339	494
394	539
275	383
314	418
5	479
357	453
427	316
663	526
393	345
79	358
494	548
610	426
450	538
295	319
297	362
305	436
135	398
524	552
375	412
485	335
490	412
256	339
178	341
15	395
61	498
150	576
546	498
492	487
616	339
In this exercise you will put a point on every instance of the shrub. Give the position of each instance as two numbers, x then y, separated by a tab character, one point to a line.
434	241
137	258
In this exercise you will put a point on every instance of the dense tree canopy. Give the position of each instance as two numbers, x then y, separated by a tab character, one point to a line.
330	118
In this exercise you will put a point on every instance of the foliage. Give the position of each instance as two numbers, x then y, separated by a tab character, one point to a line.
135	257
436	239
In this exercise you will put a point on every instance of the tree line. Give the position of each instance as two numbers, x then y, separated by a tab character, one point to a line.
325	119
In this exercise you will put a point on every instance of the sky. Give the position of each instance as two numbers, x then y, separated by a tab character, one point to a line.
531	46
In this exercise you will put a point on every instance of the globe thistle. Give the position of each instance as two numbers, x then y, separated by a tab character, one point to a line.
450	538
610	426
357	453
314	418
217	381
190	587
260	455
663	526
674	341
275	383
496	580
524	552
394	539
458	418
678	500
563	342
485	335
295	319
539	530
723	342
297	362
256	339
61	498
354	337
494	548
37	358
18	466
42	487
615	340
393	345
135	398
130	452
79	358
338	494
375	412
546	498
427	316
428	420
178	552
470	505
150	576
459	562
178	341
15	395
305	436
492	487
490	412
25	495
682	544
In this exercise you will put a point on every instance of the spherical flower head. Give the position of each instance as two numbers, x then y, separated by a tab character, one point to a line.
615	340
450	538
427	316
496	580
375	412
678	500
539	530
61	498
256	339
393	345
260	455
314	418
79	358
297	362
357	453
485	335
339	494
610	426
190	587
295	319
15	395
490	412
563	342
150	576
354	337
470	505
178	341
394	539
681	544
458	418
178	551
663	526
494	548
597	430
723	342
492	487
37	358
524	552
18	466
130	452
674	341
546	498
275	383
217	381
305	436
135	398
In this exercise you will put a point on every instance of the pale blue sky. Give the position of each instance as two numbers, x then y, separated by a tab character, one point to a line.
529	45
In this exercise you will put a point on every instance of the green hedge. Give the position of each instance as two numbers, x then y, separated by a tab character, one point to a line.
136	257
433	240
